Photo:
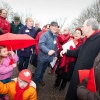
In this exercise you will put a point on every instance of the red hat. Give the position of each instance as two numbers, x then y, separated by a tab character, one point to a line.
25	75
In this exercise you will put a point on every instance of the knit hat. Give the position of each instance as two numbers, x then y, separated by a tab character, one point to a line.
17	18
54	24
25	75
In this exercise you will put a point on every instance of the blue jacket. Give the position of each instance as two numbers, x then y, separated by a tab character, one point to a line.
47	43
25	30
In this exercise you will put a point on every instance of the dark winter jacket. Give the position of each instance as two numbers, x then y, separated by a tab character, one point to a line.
83	93
25	30
15	28
86	54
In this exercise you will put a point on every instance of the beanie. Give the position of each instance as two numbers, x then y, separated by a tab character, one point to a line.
25	75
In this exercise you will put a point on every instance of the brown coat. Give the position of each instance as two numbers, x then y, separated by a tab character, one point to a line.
83	93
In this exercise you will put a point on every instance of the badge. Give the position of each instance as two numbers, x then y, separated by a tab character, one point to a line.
54	42
27	30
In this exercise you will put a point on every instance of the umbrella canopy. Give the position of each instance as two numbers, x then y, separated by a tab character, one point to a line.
16	41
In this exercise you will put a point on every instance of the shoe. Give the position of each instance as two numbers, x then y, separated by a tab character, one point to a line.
42	83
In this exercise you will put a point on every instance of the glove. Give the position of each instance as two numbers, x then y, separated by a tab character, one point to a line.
84	82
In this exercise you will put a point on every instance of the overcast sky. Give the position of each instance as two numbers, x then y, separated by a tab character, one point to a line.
50	9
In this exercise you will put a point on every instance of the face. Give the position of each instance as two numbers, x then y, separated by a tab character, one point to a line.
4	52
77	34
3	14
85	29
47	28
29	22
36	24
66	31
16	22
53	29
22	84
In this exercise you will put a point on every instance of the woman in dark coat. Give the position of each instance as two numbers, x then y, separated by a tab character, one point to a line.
86	54
82	92
24	54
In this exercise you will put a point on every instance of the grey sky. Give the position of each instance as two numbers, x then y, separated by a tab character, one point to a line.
50	9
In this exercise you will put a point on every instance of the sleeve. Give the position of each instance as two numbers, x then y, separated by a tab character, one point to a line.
33	96
42	44
15	57
84	94
21	31
5	69
73	53
4	88
7	29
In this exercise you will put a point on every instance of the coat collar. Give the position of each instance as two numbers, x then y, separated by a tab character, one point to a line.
95	36
31	84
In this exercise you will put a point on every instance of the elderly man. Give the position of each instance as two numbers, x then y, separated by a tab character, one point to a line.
16	25
85	54
47	52
4	24
37	28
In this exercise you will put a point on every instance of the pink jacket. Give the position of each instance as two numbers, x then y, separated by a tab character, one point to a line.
6	69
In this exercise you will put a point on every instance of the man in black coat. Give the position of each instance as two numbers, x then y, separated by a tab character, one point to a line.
85	54
82	92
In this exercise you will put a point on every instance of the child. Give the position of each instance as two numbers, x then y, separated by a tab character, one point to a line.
22	88
8	61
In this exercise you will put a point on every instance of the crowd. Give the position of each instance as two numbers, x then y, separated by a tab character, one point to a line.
71	52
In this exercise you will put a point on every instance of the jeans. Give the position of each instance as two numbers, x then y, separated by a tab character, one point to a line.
23	63
40	70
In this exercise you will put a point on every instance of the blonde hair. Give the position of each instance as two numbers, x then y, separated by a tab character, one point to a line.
28	18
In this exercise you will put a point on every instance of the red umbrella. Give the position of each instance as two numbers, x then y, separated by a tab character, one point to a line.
16	41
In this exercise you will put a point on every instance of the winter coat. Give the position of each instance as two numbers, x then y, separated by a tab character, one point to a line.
67	63
15	28
6	69
47	43
4	25
86	54
37	39
27	51
83	93
37	31
10	89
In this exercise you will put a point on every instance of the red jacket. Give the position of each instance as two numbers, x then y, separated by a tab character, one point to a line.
4	25
64	62
37	39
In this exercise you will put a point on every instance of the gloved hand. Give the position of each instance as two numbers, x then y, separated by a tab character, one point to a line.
84	82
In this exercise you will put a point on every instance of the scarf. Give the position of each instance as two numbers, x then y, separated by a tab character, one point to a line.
19	92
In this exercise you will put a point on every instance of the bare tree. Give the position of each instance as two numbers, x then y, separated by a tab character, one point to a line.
8	8
92	11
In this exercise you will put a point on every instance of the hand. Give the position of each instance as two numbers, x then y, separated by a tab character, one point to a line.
51	52
11	53
63	52
84	82
22	49
55	58
14	65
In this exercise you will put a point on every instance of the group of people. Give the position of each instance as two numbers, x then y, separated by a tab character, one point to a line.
50	48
